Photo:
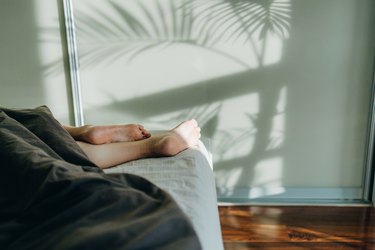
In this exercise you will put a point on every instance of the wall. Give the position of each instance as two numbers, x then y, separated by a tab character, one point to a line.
284	109
31	61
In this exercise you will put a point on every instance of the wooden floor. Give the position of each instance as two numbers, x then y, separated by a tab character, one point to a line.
245	227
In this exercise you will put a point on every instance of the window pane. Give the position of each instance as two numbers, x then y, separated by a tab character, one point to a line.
282	87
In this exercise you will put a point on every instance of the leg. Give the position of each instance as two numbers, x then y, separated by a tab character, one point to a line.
168	144
108	134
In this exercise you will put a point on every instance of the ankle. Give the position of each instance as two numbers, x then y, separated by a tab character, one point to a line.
167	145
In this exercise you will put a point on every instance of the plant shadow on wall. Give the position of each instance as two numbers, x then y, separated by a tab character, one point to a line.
258	28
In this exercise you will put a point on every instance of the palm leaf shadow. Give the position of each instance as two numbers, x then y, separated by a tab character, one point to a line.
110	37
197	23
134	34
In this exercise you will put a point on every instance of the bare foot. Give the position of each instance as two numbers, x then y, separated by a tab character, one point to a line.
178	139
113	133
169	143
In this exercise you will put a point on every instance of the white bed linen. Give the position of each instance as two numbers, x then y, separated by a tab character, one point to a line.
189	179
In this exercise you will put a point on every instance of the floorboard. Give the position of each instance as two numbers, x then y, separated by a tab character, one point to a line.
258	227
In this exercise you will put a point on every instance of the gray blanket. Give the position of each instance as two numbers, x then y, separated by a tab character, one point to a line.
53	197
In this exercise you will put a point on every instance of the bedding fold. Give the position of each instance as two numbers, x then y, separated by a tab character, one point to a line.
53	197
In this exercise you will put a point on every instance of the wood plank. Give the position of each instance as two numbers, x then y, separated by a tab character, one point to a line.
252	227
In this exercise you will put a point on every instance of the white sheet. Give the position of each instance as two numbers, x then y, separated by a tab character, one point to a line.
189	178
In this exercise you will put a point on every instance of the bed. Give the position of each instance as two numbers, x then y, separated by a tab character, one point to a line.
53	197
188	177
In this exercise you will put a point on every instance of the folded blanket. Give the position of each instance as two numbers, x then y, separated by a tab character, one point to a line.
53	197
